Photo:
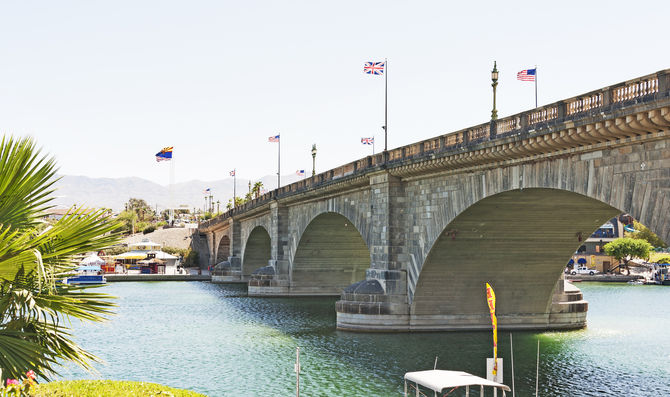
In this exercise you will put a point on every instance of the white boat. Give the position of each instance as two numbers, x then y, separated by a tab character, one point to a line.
440	381
91	274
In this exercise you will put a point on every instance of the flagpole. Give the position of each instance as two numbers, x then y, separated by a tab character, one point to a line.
373	145
234	187
278	160
535	86
386	90
171	210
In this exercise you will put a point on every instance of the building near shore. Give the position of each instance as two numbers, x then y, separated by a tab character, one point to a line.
147	257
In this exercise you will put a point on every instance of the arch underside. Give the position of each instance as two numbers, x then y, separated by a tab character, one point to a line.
330	256
519	242
257	251
223	251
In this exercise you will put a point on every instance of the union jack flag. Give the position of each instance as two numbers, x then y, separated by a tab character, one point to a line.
232	173
300	172
374	67
368	141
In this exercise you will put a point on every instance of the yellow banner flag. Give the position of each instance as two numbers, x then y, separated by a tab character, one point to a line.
491	300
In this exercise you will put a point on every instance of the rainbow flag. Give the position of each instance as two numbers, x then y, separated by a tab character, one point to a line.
491	300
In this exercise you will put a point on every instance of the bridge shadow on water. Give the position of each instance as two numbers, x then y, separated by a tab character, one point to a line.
381	359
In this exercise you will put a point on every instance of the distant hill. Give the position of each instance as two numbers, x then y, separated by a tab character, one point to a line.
114	192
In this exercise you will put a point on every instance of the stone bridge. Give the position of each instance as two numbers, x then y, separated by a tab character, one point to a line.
409	237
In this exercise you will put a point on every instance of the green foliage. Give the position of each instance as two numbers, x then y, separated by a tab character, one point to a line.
33	304
176	251
161	224
116	249
643	233
140	207
149	229
662	259
128	220
108	388
140	226
625	248
191	258
256	190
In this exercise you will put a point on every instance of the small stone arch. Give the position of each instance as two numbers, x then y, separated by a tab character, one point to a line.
257	251
330	256
223	251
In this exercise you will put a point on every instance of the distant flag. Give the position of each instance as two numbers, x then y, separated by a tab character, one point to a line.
273	138
263	191
368	141
300	172
526	75
207	191
232	173
165	154
374	67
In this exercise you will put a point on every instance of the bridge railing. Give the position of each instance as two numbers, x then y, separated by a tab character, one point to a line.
642	89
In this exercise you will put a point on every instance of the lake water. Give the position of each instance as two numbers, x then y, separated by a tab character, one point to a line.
216	340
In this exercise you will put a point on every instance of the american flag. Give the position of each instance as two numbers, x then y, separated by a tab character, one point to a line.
300	172
374	67
526	75
232	173
368	141
273	138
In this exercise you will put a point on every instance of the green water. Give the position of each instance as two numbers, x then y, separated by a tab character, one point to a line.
215	340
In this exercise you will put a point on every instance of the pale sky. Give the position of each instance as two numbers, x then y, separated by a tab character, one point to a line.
104	85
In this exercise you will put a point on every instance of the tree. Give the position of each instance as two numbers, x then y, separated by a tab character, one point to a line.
143	210
129	219
256	190
643	233
625	248
33	303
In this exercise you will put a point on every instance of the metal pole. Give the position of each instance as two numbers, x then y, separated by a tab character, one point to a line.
297	372
536	86
386	113
511	351
278	161
537	371
234	187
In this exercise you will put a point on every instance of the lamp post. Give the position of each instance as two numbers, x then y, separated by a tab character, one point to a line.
314	159
494	77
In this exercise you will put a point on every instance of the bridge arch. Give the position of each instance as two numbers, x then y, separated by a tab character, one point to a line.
331	254
257	250
519	238
223	249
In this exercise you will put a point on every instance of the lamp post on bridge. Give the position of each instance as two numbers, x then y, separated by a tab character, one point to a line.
494	77
314	159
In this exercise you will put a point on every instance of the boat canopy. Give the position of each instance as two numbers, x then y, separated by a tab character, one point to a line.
438	380
92	259
89	268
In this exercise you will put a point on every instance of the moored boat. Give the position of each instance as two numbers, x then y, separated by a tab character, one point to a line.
89	274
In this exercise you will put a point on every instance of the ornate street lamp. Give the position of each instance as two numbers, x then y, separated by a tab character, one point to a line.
314	159
494	77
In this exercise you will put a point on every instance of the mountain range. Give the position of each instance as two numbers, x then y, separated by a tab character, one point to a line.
114	192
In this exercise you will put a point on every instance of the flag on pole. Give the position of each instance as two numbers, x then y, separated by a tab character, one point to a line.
491	300
232	173
368	141
273	138
526	75
207	191
165	154
374	67
300	172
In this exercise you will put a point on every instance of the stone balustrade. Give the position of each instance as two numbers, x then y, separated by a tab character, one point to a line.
641	90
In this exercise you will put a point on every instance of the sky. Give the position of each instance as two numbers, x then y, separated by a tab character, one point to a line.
104	85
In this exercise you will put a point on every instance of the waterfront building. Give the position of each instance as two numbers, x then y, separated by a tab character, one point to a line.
147	257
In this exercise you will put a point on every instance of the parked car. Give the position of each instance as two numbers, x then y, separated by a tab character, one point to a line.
583	270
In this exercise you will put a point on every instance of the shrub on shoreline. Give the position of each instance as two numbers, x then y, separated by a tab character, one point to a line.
110	388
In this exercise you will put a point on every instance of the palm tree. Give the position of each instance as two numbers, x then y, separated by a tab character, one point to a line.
256	190
34	306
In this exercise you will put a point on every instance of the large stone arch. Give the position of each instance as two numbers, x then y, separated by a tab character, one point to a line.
257	250
223	250
520	239
330	255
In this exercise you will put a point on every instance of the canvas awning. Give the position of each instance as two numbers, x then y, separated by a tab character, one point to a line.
93	259
132	255
438	380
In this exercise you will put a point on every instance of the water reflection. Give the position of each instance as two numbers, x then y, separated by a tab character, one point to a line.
217	340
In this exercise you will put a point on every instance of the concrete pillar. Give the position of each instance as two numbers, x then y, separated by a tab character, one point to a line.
211	246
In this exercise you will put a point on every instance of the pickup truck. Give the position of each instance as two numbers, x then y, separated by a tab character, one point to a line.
583	270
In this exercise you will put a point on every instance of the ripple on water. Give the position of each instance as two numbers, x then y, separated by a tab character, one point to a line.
216	340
